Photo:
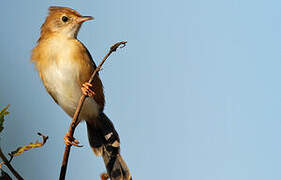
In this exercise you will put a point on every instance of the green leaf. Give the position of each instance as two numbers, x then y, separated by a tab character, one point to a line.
3	113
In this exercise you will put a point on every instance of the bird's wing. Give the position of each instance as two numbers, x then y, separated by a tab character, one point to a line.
88	68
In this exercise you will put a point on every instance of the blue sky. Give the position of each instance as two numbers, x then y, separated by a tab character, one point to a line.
194	95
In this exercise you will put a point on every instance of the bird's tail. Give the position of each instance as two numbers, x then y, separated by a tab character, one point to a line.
105	142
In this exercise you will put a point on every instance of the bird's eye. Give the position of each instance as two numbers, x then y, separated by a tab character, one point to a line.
64	18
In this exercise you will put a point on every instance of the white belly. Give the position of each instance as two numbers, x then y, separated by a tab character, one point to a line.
61	80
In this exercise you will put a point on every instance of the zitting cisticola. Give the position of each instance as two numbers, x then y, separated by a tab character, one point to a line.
65	65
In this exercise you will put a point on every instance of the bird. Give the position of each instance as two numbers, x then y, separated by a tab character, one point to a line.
65	65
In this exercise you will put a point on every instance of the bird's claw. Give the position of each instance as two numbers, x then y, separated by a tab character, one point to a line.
104	176
86	90
69	141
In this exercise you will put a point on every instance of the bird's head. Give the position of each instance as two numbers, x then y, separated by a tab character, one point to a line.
64	21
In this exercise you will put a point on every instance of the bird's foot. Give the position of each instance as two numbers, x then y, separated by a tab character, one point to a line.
104	176
87	91
71	141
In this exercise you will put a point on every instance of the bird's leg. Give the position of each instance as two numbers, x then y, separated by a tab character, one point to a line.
71	141
86	89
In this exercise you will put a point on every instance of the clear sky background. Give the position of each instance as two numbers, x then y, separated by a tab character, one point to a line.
194	95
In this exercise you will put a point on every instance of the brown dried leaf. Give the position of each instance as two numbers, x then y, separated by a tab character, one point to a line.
37	144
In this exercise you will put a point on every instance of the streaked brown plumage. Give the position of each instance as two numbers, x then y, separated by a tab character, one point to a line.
64	65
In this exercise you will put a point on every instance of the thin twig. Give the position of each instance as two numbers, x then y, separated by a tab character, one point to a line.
7	163
74	122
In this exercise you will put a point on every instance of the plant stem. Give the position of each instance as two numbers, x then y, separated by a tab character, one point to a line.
7	163
74	122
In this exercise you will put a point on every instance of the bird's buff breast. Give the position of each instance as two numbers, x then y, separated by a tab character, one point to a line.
61	80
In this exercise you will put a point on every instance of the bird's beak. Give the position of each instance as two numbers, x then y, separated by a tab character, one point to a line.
84	18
